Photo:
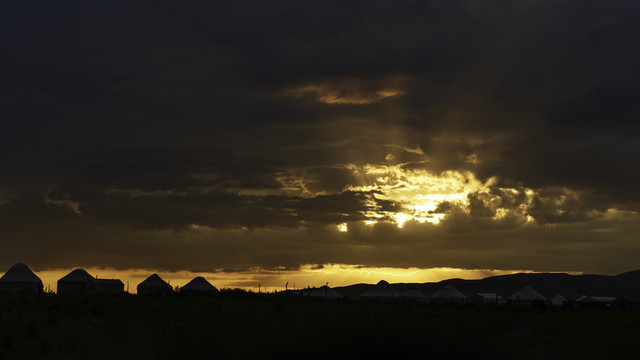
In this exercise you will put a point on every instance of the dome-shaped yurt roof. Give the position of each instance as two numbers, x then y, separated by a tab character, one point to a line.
199	284
324	292
448	293
382	291
154	285
20	278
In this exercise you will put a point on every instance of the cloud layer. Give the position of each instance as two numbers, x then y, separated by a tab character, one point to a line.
207	136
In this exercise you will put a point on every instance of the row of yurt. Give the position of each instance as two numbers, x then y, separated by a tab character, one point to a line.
596	299
19	278
383	291
598	302
585	300
448	294
154	285
324	292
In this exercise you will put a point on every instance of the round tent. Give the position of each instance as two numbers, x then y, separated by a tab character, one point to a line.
382	291
558	300
448	294
198	285
76	282
324	292
154	285
526	295
20	278
487	298
596	299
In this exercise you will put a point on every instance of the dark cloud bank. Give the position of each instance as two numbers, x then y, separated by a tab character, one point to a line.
211	135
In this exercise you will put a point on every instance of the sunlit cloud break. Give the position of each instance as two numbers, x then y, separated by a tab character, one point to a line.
420	192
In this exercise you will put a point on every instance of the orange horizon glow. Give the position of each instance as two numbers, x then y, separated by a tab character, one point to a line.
275	280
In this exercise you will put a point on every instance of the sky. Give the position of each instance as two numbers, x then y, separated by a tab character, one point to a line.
320	141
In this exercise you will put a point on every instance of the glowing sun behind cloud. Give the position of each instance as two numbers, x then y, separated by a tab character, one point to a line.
419	191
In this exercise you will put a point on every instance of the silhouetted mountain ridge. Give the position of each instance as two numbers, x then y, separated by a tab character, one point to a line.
626	285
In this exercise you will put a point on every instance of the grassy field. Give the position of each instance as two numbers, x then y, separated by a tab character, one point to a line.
260	326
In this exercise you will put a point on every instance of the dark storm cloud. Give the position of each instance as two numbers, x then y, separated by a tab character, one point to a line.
564	247
164	168
213	209
156	115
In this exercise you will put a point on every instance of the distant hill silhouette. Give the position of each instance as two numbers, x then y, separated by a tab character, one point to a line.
626	285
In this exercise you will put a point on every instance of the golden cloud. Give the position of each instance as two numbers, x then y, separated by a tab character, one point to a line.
351	91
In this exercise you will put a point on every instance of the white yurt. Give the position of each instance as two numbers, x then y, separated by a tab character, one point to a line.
290	292
19	278
382	291
448	294
526	295
557	300
324	292
488	298
596	299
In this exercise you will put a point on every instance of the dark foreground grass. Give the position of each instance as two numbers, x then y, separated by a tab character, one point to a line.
254	326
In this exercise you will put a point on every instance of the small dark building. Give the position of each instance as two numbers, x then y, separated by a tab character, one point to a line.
108	286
